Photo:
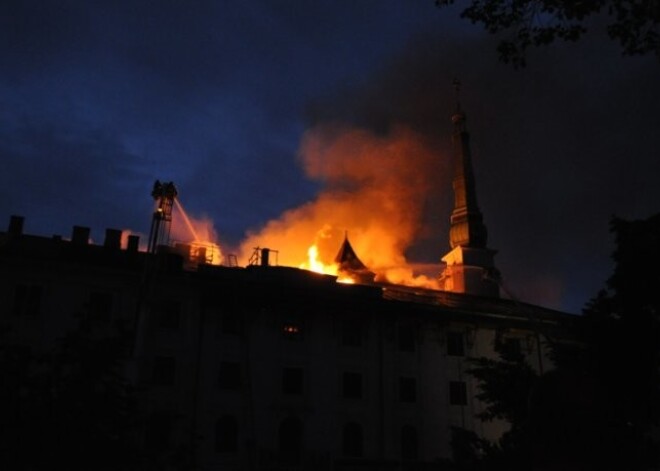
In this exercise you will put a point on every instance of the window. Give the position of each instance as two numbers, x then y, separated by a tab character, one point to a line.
157	432
163	371
100	306
292	380
27	300
352	385
229	375
455	344
457	393
352	440
351	333
169	313
292	330
231	323
290	441
226	434
408	443
406	338
511	347
407	389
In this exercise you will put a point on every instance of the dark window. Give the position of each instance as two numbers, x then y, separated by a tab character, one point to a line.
290	441
226	434
27	300
292	380
158	430
229	375
406	338
455	344
169	313
352	385
457	393
352	440
164	370
292	330
408	443
100	306
351	333
231	323
512	347
407	389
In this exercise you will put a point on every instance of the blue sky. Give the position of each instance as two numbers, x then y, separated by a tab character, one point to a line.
99	99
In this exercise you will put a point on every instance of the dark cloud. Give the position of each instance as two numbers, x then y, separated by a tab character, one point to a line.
558	149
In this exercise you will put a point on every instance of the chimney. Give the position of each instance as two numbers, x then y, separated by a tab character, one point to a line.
133	243
112	239
265	254
16	225
80	235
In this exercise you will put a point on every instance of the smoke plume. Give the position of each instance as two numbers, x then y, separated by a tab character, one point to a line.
374	191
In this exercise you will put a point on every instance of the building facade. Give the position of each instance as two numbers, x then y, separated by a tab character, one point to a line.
270	367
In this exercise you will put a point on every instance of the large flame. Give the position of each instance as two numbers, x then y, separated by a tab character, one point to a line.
375	189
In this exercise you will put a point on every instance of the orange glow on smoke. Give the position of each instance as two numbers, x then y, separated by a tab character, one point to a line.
375	188
199	233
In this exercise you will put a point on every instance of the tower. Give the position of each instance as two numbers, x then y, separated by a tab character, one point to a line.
469	266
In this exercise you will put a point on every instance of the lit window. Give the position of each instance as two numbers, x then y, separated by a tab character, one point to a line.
292	330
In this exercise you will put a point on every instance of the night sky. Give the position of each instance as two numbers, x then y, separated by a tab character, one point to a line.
100	99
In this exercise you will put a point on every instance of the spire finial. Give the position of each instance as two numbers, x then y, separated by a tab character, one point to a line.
458	118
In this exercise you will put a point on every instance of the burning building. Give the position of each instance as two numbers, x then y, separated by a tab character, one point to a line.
273	367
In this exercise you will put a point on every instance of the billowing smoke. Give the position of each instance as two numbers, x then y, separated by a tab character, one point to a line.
374	190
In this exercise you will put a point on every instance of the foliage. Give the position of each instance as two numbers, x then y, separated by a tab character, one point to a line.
600	407
504	388
68	406
634	24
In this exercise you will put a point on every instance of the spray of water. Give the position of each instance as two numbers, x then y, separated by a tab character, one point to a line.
186	219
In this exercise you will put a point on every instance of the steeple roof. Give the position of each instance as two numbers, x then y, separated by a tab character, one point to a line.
467	228
350	265
347	259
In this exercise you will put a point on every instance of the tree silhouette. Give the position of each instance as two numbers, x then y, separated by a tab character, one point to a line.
69	406
600	407
634	24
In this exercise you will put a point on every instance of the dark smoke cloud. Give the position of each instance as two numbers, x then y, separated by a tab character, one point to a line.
558	148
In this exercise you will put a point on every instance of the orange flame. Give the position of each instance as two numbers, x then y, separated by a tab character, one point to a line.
375	188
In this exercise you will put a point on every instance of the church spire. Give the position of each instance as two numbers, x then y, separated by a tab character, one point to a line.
467	228
469	265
